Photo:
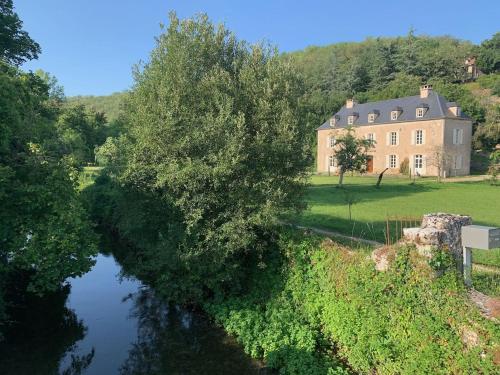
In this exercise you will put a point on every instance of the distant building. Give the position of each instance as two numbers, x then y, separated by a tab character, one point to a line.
432	133
471	69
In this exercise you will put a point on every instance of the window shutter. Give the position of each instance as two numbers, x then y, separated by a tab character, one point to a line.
413	137
328	142
388	138
459	161
461	136
387	161
424	164
374	137
397	138
423	137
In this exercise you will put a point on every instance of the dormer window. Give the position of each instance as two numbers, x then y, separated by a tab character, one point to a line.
334	120
372	115
351	118
396	111
421	109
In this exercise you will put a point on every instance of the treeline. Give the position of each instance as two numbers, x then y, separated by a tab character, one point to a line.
385	68
45	236
111	105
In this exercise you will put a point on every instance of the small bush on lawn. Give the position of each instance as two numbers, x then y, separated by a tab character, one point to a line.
314	307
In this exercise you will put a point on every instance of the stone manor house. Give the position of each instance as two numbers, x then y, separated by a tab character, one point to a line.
432	133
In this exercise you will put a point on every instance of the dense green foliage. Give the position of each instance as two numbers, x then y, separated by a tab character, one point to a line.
215	151
335	72
16	46
44	231
310	301
112	105
488	56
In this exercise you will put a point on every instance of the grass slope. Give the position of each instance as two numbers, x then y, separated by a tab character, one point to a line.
397	196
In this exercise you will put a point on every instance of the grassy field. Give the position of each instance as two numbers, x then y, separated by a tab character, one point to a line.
398	197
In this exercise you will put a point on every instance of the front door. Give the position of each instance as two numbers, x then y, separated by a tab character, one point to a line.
369	164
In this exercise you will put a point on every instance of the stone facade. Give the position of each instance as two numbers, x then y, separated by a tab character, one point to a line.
443	144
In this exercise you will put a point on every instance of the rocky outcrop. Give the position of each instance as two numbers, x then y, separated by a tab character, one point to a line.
439	230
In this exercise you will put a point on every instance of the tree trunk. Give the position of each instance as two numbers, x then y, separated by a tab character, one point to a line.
380	178
341	177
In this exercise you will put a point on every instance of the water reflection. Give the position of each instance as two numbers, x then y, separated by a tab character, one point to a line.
172	340
43	333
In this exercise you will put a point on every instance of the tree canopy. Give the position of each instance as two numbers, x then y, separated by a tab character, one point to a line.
16	46
215	137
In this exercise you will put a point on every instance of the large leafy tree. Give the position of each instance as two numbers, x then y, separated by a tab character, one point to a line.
16	46
216	133
351	153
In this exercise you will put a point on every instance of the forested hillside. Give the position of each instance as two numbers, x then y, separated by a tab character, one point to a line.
384	68
111	105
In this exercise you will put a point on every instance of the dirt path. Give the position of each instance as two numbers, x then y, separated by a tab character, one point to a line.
466	178
333	234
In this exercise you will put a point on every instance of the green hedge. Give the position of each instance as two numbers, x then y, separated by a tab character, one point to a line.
316	309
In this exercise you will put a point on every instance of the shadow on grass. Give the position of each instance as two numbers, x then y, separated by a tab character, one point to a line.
330	194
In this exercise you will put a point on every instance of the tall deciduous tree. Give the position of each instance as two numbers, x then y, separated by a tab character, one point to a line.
216	131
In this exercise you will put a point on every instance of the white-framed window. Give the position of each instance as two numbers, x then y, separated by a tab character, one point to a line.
350	120
331	161
371	117
418	161
458	136
419	137
332	122
331	142
420	112
392	161
370	137
394	115
393	138
458	162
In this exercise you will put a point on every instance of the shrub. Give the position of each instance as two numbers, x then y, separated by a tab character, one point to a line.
404	167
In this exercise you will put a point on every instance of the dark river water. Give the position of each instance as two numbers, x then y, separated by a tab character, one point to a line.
103	324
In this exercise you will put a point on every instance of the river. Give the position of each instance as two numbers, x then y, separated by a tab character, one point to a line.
105	324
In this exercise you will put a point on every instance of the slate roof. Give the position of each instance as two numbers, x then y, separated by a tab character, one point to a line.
437	108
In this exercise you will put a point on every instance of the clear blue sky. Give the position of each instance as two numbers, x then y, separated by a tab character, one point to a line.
91	45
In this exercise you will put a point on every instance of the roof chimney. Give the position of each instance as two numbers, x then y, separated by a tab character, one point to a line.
350	103
425	90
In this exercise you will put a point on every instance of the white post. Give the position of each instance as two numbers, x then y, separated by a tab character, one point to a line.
468	266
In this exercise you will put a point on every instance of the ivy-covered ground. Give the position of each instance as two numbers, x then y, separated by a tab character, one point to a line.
319	308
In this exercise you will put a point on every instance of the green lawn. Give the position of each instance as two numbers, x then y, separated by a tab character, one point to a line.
396	197
87	176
